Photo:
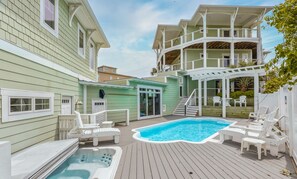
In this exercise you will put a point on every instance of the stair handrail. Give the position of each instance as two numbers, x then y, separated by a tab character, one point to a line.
190	99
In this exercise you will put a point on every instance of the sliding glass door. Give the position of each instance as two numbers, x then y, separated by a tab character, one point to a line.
149	102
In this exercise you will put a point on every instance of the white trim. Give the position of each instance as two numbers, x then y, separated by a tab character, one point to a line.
79	28
8	47
55	31
8	93
90	56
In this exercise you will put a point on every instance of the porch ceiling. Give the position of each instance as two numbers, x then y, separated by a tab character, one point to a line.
225	45
171	56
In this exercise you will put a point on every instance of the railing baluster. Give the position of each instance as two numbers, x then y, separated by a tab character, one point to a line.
193	65
192	36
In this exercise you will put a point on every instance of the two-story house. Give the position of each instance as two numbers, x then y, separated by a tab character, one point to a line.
107	73
46	48
206	50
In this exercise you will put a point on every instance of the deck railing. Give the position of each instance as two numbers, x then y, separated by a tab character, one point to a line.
191	100
211	32
67	122
210	62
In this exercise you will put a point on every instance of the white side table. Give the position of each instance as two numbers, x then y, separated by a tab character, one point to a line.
106	124
252	141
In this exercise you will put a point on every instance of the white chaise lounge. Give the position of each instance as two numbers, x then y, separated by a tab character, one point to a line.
260	114
85	131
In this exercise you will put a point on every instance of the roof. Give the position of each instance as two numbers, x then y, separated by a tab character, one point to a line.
88	83
145	81
216	15
88	20
107	66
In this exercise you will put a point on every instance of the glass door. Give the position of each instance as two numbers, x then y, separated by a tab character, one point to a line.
149	102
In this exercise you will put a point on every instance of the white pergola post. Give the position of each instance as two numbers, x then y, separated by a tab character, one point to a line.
181	58
256	92
205	92
199	97
85	99
228	88
224	97
204	55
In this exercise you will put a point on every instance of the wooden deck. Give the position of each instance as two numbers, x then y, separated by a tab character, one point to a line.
142	160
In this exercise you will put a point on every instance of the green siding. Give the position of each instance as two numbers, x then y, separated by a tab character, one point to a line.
170	95
18	73
20	25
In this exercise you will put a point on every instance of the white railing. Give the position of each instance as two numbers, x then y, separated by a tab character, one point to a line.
210	62
67	122
211	32
191	100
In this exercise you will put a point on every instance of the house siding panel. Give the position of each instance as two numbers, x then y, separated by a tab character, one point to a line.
20	25
18	73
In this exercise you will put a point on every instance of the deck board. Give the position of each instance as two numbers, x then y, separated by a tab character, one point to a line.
176	160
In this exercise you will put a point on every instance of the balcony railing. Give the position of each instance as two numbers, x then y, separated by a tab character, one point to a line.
211	32
210	62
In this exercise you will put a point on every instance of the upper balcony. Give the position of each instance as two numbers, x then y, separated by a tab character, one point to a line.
212	34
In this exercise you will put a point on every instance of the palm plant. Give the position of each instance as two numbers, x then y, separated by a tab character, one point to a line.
244	83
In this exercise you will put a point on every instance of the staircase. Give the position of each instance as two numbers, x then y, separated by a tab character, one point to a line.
180	109
188	103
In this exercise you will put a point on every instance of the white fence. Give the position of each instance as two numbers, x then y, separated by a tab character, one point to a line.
286	100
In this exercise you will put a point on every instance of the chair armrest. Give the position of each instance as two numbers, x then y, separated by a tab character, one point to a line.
91	125
89	128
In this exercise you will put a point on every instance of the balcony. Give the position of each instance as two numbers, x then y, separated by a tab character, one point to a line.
211	63
217	33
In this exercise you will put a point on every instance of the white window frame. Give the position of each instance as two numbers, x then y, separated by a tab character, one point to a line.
55	31
79	28
6	94
90	56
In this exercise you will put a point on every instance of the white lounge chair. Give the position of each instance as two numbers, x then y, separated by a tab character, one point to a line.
237	133
260	114
240	101
216	100
85	131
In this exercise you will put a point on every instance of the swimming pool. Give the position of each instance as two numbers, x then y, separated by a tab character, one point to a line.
87	163
188	130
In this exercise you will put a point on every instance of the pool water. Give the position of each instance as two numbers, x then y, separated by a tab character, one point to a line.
191	130
82	164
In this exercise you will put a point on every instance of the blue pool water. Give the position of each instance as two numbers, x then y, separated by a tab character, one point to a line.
192	130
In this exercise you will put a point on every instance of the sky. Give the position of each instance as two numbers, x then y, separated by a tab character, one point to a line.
130	27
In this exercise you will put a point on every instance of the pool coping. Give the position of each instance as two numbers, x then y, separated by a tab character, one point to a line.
137	133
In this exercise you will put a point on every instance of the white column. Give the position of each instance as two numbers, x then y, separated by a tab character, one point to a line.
185	28
199	97
181	58
204	55
204	24
228	88
164	59
205	92
256	92
163	37
232	52
186	59
5	156
259	46
85	99
223	97
232	26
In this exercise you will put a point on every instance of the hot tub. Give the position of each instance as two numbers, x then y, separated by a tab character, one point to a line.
95	163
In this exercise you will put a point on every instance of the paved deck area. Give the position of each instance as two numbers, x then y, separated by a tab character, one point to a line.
142	160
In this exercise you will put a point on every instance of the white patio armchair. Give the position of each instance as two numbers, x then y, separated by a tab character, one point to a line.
240	101
94	131
216	100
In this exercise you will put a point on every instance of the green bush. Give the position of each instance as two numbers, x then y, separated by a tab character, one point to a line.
237	94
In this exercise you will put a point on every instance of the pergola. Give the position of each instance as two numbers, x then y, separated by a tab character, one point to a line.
225	75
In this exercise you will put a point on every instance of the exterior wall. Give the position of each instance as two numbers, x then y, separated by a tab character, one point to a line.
20	25
170	95
116	99
103	77
19	73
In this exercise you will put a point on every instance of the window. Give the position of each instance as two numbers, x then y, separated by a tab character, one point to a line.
110	77
81	41
20	104
92	57
49	15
